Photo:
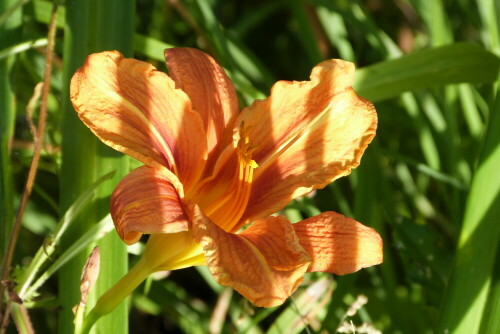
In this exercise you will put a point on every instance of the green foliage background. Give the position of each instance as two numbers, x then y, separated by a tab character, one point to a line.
429	183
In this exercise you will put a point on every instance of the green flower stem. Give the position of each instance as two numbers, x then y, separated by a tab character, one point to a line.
114	296
163	252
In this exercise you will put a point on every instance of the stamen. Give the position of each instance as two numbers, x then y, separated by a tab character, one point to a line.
228	209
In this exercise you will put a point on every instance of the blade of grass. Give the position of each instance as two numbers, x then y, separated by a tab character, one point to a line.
441	33
230	53
250	323
150	47
98	231
490	16
7	115
255	18
187	313
490	11
454	63
469	284
490	322
52	241
21	47
91	26
305	31
9	34
78	159
376	36
336	32
380	41
215	32
369	194
7	12
77	169
424	169
433	13
471	113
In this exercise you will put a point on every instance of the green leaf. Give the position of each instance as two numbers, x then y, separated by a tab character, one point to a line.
49	245
97	232
10	33
444	65
150	47
469	285
490	322
91	26
21	47
11	11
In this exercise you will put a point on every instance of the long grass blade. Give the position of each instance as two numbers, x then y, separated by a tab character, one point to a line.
490	322
97	232
21	47
434	67
10	11
9	35
52	241
469	285
91	26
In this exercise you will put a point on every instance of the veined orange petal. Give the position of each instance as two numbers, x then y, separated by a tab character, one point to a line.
211	92
265	263
272	124
146	201
137	110
292	107
338	244
317	150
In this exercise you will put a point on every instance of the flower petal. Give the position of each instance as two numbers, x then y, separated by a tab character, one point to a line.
264	263
136	109
172	251
338	244
210	90
146	201
292	106
306	134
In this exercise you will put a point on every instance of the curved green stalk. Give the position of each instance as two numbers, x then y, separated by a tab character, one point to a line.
114	296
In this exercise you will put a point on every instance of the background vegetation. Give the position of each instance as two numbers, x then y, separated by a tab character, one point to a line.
429	183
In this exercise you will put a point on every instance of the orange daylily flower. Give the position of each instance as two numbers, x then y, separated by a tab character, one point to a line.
211	169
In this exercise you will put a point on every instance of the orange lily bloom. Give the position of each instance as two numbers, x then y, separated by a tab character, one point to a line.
210	169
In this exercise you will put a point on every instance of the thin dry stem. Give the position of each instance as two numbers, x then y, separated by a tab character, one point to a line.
36	157
220	311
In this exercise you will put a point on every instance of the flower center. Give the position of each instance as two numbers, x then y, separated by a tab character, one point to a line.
228	209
